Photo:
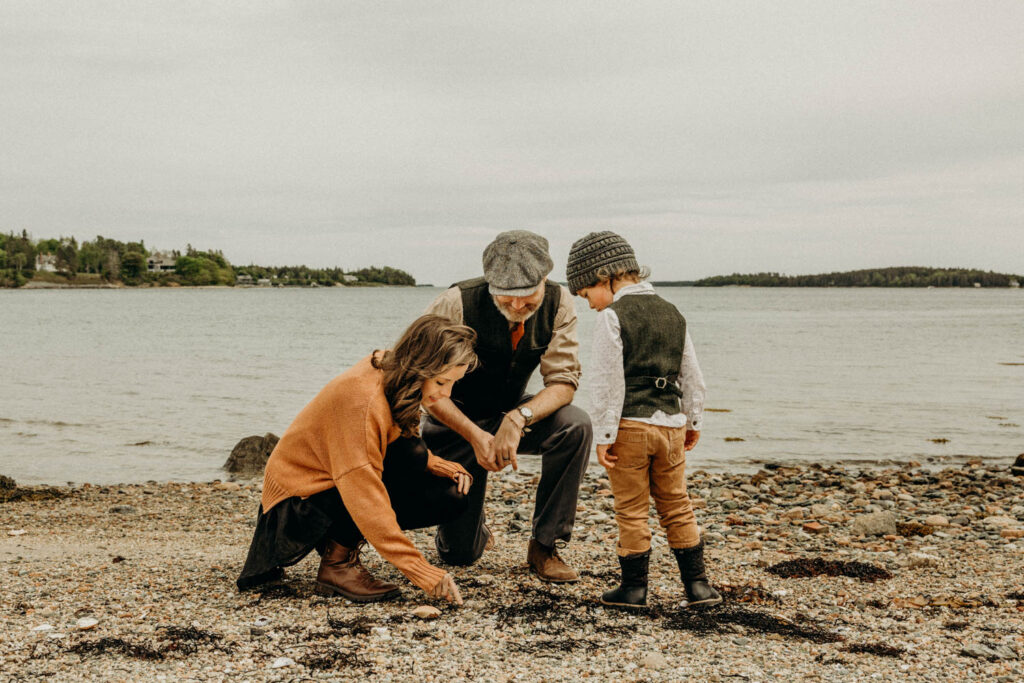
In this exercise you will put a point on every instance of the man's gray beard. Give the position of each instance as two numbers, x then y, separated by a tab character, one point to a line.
512	316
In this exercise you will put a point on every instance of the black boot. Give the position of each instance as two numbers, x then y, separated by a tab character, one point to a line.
633	591
695	580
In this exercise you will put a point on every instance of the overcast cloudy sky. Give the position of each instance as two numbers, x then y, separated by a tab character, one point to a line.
717	137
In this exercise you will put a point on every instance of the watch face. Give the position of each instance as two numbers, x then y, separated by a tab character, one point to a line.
527	413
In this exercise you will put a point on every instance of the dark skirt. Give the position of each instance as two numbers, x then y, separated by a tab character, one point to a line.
296	526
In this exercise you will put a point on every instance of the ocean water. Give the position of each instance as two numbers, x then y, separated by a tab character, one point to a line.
111	386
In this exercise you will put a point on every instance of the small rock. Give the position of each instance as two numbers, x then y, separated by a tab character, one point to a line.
43	627
426	612
86	623
918	560
1012	533
486	579
17	532
979	651
814	527
936	520
381	632
282	662
999	520
654	660
874	524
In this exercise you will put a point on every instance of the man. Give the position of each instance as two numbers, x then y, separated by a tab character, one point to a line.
522	321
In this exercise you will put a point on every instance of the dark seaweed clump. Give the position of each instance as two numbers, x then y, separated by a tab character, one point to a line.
88	648
556	645
323	659
715	620
877	649
818	566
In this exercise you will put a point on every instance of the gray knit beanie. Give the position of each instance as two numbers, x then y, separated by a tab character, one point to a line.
516	262
598	250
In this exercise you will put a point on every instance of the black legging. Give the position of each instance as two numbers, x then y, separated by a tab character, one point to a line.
418	498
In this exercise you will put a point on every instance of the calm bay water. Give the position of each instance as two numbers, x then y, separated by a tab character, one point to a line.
129	385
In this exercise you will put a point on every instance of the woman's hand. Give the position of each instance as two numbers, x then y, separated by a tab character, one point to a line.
447	589
605	456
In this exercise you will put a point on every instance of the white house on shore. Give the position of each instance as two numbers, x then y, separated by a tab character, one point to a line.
160	262
1014	284
46	263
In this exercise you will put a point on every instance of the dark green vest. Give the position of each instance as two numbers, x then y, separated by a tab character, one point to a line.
653	334
500	379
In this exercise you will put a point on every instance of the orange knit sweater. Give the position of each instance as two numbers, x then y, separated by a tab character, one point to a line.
340	439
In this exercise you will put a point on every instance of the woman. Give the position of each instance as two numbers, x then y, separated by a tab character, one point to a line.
351	468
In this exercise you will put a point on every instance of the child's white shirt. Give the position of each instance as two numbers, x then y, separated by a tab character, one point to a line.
608	383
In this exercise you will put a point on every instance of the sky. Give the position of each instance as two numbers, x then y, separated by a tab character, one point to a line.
797	137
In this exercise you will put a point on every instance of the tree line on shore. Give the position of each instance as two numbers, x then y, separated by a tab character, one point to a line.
874	277
104	260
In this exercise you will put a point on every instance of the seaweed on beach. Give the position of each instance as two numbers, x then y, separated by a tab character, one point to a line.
1016	595
719	618
90	648
325	658
907	529
818	566
11	492
877	649
359	626
556	645
189	633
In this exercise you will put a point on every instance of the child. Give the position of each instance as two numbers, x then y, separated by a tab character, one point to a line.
648	395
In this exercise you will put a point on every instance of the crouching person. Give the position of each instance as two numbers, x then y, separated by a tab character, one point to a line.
351	468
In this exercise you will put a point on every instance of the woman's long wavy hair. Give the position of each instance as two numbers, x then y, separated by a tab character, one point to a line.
431	345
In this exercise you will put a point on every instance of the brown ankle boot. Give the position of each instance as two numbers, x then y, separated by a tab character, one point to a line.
342	573
547	565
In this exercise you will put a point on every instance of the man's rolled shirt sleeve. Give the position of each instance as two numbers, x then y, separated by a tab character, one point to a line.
560	363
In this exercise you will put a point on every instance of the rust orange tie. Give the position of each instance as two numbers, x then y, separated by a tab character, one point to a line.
517	334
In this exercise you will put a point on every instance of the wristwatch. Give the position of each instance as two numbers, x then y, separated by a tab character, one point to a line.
526	413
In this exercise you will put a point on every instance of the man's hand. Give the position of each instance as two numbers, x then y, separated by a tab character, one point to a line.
447	589
692	438
506	441
483	447
605	456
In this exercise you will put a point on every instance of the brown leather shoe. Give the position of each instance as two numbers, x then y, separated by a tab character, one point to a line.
547	565
341	572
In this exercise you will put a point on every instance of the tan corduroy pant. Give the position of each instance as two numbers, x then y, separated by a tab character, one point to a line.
651	463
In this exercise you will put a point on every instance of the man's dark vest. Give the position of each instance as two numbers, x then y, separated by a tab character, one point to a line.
500	379
653	333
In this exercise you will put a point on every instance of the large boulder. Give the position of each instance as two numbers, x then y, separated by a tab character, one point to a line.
874	524
1018	467
249	456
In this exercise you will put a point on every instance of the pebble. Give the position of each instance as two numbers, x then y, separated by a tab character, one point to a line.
86	623
17	532
654	660
282	662
426	612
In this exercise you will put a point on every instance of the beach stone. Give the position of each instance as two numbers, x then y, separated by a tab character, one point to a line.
1018	466
86	623
1012	533
486	579
918	560
999	521
426	612
654	660
874	524
249	456
936	520
282	662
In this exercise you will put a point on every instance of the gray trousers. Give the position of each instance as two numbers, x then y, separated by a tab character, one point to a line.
562	440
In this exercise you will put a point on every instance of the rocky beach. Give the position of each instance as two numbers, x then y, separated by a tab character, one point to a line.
829	574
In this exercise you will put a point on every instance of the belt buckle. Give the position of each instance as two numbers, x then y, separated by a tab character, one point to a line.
660	382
